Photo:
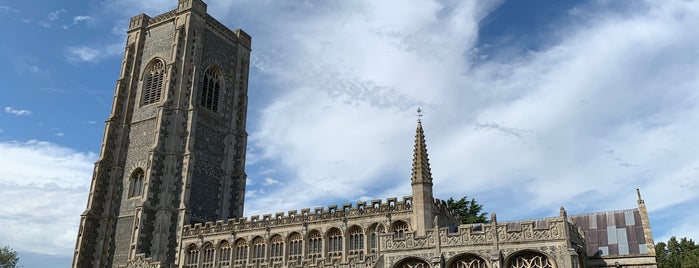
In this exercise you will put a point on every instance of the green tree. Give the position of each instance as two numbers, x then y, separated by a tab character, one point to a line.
468	210
8	257
677	254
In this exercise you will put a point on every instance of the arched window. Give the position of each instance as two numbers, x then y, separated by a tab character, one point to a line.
468	261
136	183
375	231
356	241
529	259
208	256
241	251
224	254
211	89
277	247
153	82
334	242
258	249
315	244
412	263
295	246
192	257
399	229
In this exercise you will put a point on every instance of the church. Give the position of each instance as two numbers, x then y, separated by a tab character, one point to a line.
169	185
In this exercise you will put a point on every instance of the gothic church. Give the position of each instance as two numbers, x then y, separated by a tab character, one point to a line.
168	188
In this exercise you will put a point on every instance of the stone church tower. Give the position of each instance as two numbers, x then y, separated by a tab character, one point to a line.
173	151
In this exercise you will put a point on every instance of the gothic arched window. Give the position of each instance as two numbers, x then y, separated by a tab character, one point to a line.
375	231
334	242
399	229
136	183
277	247
241	250
211	89
356	241
258	249
529	259
224	254
468	261
295	246
412	263
315	244
208	256
192	257
153	82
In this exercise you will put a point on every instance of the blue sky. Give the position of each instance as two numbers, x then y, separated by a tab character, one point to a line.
540	104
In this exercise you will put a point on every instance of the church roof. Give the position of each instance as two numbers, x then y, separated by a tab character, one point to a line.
613	233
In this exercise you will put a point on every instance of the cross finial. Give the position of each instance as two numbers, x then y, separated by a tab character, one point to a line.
419	114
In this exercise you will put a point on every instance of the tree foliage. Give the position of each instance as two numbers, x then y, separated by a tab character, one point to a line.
8	257
677	254
469	210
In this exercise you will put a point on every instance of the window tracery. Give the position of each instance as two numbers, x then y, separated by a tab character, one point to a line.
153	84
258	249
241	250
412	263
211	89
468	261
315	244
295	246
208	256
192	257
399	229
530	259
377	230
334	242
224	254
356	241
277	248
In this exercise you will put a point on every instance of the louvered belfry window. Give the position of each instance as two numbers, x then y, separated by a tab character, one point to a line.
211	89
153	82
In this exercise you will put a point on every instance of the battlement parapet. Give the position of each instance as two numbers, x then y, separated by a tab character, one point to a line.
162	17
347	210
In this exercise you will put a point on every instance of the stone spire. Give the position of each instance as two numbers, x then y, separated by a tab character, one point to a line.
643	211
421	163
421	182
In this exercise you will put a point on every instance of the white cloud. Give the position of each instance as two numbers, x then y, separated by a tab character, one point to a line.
42	181
92	54
530	130
51	18
17	112
78	19
270	181
8	9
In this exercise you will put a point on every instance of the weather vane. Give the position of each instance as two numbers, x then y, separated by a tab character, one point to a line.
419	114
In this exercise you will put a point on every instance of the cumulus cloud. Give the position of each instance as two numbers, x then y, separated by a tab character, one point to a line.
532	129
54	189
17	112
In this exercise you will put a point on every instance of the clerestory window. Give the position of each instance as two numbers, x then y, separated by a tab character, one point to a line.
211	89
153	82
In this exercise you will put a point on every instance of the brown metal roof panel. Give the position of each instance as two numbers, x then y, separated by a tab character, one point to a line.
640	235
602	221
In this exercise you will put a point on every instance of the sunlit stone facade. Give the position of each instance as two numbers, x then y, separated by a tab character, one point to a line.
168	188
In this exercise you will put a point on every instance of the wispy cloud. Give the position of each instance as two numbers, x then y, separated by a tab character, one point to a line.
93	54
8	9
51	18
17	112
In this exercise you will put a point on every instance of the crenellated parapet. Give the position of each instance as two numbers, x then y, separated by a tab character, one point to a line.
346	211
